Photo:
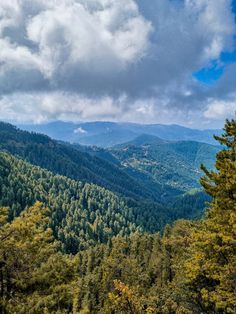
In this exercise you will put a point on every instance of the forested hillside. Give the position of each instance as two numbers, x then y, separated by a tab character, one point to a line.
159	182
63	159
190	269
82	214
175	164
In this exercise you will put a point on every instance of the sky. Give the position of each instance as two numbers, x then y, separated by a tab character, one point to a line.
145	61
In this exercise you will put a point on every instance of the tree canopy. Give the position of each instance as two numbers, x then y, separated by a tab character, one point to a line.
188	269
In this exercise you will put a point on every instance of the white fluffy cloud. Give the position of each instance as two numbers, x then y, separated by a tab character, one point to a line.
219	110
95	36
41	107
109	59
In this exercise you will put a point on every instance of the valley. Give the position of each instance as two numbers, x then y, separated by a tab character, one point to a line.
117	157
115	225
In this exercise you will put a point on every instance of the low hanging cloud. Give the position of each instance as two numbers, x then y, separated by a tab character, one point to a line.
43	107
40	107
107	59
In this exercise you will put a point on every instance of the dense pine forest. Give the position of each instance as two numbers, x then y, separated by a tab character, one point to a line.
74	241
160	183
63	159
82	214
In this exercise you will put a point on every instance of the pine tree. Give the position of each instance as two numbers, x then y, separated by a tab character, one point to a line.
211	269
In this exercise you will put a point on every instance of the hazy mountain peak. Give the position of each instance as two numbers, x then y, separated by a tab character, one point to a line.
145	139
108	134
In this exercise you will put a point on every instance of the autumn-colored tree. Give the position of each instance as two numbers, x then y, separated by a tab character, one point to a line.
124	300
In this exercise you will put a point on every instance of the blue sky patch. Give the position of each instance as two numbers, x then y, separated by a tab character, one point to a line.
209	75
212	73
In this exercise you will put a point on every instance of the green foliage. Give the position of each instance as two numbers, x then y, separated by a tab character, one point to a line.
194	263
211	269
82	214
25	244
171	164
64	159
143	172
190	269
190	205
34	278
127	275
138	274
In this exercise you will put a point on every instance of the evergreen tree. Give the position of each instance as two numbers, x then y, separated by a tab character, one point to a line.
211	269
190	269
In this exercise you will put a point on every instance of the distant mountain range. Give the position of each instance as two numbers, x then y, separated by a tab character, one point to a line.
108	134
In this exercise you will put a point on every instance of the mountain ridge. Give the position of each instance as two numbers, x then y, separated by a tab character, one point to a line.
108	134
138	172
64	159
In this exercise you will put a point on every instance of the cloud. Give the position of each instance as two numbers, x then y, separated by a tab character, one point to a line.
42	107
107	59
218	110
80	131
69	40
76	35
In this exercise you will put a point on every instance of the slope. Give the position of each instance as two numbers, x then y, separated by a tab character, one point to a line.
64	159
171	163
82	214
